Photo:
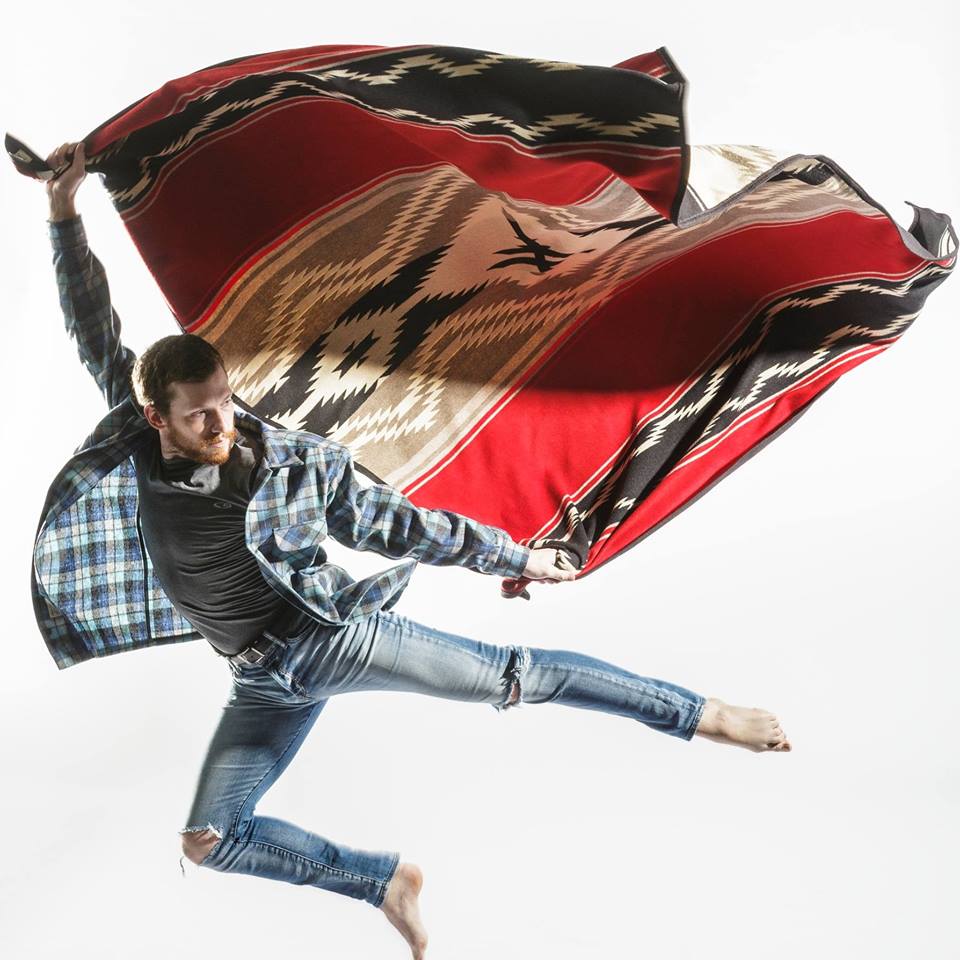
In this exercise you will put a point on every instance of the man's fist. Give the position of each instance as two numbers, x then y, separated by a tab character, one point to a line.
543	565
63	189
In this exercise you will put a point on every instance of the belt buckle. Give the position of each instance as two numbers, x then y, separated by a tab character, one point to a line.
253	654
260	655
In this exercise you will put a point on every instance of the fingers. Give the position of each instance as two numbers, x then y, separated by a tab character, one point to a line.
547	566
559	576
55	158
61	157
565	567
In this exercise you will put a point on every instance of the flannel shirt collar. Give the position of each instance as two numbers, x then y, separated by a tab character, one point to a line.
277	450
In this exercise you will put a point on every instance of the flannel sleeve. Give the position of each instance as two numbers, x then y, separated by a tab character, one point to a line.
381	519
88	316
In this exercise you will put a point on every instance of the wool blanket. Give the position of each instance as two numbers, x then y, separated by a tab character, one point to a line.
510	285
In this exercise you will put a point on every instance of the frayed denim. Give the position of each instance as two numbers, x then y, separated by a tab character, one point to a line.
273	705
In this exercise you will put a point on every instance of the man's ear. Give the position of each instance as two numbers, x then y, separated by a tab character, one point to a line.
153	418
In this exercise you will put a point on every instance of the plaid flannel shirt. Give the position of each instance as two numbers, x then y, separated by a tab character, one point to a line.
94	589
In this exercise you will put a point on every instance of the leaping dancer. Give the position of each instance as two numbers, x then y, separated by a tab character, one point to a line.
220	503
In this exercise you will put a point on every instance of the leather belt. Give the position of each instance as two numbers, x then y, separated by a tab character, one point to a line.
260	652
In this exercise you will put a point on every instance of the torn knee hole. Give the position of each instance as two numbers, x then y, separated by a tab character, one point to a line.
514	674
513	698
199	841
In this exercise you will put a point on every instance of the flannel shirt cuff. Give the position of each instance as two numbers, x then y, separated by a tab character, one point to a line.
513	559
67	234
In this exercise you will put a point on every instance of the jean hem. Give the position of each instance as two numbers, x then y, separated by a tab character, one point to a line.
691	727
383	884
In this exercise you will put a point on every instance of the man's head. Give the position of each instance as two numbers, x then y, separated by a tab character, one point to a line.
182	385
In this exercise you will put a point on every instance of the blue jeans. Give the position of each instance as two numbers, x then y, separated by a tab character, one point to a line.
273	705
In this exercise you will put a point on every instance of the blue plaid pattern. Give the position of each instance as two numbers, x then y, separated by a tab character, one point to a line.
94	589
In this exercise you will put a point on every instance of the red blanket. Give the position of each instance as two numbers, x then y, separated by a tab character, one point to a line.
510	285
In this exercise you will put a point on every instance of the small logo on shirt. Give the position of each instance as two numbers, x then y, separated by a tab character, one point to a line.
222	505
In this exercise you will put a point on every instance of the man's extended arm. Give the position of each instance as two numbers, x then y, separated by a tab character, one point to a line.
88	315
380	518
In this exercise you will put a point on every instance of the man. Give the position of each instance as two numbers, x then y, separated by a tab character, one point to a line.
183	517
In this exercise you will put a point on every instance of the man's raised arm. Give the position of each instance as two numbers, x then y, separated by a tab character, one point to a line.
88	315
382	519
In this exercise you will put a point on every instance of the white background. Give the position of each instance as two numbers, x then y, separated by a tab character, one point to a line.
818	580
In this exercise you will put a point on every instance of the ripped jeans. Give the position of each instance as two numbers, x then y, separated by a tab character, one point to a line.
273	705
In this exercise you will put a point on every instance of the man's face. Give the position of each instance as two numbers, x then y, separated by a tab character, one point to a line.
200	423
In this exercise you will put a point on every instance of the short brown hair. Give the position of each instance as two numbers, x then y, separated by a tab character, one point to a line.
181	357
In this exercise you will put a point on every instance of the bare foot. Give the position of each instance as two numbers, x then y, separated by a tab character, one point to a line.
403	909
750	727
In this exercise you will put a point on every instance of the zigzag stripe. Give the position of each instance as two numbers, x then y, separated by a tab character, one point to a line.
410	87
732	392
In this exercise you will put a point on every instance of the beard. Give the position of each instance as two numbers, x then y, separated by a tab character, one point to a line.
204	451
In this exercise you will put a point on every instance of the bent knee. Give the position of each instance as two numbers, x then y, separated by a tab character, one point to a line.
197	844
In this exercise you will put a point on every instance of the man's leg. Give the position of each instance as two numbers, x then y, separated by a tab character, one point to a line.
391	652
260	731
